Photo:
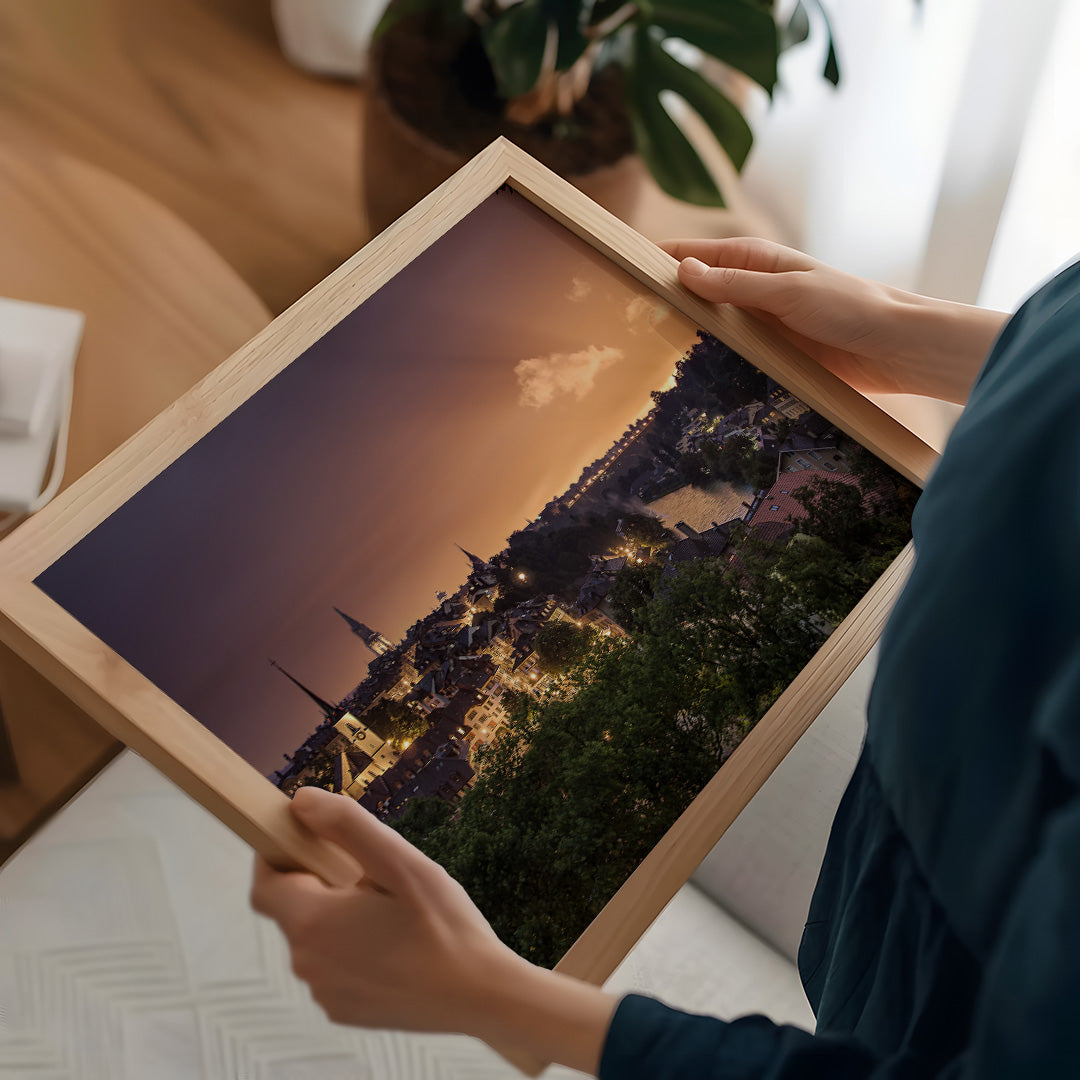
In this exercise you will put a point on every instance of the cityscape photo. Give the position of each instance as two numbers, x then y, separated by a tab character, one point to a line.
515	555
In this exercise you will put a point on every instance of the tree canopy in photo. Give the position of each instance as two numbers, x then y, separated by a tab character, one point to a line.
395	722
553	558
645	531
560	645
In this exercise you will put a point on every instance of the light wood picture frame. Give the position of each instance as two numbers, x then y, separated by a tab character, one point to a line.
129	705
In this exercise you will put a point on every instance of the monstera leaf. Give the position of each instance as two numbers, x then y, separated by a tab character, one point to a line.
741	33
667	152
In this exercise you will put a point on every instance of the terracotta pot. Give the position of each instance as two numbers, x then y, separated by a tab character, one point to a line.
400	165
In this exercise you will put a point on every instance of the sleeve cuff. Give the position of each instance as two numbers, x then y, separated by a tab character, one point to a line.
651	1041
647	1040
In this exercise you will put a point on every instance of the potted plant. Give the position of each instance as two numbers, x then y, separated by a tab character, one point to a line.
580	84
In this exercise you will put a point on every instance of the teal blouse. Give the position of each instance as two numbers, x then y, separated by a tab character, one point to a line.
943	939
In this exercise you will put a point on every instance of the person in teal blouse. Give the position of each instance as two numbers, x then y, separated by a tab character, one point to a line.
943	940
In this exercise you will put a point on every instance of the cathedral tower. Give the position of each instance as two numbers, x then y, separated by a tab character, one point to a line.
371	638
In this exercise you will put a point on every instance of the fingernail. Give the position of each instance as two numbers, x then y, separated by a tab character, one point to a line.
694	267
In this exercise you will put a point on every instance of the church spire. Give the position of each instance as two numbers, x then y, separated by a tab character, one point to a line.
478	564
328	710
371	638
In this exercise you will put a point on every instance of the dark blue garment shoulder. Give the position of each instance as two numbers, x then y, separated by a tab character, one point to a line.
942	939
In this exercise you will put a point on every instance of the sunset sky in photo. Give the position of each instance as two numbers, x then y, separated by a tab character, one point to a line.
447	409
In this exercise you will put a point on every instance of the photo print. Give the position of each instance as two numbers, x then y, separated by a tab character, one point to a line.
514	555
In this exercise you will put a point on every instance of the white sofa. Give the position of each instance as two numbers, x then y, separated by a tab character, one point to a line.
128	951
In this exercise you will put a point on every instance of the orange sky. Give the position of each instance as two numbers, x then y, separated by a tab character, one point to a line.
448	408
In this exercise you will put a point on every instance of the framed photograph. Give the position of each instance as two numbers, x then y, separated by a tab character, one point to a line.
500	532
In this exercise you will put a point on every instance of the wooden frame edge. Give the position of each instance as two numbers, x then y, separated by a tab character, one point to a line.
174	742
32	625
751	338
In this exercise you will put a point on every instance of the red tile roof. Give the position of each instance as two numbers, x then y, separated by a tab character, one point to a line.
772	530
780	504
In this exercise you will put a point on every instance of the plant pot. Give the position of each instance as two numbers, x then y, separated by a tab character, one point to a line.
401	163
327	37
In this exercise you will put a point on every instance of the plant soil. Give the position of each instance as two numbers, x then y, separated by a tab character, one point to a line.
439	81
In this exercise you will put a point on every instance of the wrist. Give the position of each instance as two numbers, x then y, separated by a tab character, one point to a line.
542	1014
944	344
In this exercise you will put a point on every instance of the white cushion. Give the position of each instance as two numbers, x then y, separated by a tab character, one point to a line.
764	867
696	956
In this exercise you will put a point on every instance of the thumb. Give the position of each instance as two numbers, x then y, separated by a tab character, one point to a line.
732	285
386	857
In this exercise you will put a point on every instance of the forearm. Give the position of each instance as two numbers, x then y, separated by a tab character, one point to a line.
542	1014
940	345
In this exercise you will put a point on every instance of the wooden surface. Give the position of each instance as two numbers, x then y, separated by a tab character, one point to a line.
133	709
161	309
192	102
156	157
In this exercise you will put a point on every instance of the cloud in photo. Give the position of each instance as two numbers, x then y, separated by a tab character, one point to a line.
579	289
642	313
544	378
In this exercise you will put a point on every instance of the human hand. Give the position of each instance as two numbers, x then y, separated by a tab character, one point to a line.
392	951
874	337
405	948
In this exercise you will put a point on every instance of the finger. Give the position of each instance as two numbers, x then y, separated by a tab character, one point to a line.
387	858
741	252
773	293
278	894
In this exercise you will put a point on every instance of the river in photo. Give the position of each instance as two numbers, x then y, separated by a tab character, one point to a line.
699	507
